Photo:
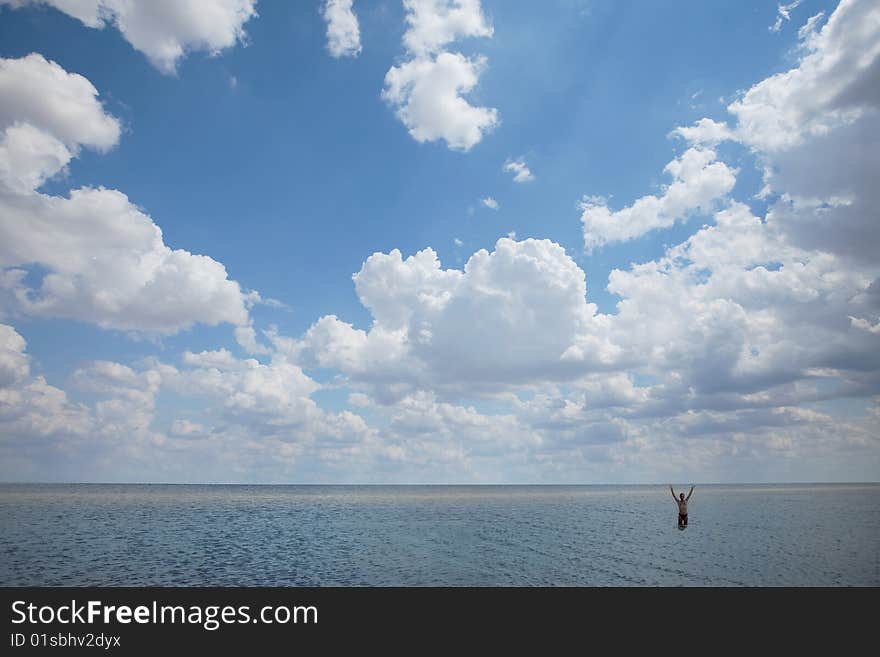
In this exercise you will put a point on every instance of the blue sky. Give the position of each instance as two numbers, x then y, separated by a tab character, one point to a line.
302	170
286	164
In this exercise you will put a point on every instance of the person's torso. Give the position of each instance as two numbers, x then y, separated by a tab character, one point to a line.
682	507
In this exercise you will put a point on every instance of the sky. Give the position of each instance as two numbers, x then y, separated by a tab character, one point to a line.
439	241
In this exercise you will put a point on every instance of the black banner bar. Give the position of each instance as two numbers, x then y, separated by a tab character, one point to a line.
122	621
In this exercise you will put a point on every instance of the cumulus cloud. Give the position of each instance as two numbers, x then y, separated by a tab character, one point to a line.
744	325
699	182
490	203
343	31
46	116
36	410
14	363
164	30
244	383
724	343
514	316
814	129
732	311
252	420
427	90
29	156
436	441
519	169
103	260
427	95
254	399
30	408
108	265
833	84
246	336
434	24
65	105
726	354
704	132
130	399
737	308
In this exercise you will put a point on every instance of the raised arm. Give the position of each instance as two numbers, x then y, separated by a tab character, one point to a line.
689	494
673	493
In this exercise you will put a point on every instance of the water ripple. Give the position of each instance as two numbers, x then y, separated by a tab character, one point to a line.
111	535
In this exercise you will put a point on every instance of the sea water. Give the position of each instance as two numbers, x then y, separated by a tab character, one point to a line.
181	535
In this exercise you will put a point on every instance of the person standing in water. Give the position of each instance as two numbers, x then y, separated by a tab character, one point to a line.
682	502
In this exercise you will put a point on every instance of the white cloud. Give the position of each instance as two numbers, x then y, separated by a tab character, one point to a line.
426	91
14	363
65	105
261	400
519	169
164	30
129	409
834	83
105	260
512	317
736	308
428	435
343	31
246	336
704	132
457	242
46	116
30	408
737	331
783	12
699	182
29	156
427	95
278	390
220	359
251	422
252	418
37	410
814	129
745	324
724	355
434	24
109	266
490	203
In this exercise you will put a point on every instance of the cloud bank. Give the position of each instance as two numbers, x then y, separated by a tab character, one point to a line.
748	350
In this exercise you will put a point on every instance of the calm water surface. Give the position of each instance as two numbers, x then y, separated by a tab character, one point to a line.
116	535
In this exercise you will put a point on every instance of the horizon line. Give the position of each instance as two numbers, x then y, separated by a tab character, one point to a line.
220	483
